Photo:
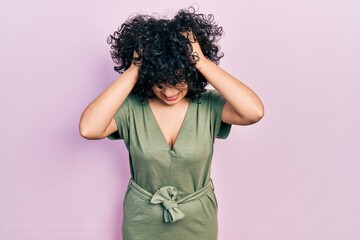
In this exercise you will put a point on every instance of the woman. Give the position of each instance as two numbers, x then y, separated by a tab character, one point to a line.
159	106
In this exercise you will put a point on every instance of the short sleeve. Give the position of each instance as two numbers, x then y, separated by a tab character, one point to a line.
121	118
217	102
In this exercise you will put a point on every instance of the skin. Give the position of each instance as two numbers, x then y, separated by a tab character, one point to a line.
242	107
169	107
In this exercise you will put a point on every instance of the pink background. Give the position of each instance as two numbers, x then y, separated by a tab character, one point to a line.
293	176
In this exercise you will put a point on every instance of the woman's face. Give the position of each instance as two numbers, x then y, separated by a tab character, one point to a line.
170	95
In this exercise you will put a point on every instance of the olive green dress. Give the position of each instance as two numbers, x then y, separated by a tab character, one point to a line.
186	167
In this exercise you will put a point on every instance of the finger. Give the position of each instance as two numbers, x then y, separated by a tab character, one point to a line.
189	35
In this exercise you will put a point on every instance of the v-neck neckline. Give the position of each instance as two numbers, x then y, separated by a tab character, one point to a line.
161	132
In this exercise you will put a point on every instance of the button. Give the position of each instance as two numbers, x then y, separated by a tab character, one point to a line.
172	152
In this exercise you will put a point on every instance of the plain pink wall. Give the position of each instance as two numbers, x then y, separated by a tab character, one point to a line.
293	176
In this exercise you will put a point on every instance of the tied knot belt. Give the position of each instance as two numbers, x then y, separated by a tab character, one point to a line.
166	196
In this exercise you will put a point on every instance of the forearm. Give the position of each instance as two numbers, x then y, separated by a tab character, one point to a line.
242	99
98	114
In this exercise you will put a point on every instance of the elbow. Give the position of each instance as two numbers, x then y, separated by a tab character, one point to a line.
261	113
88	134
87	129
256	116
248	118
85	133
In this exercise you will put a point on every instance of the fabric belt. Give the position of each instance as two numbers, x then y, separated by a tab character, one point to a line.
166	196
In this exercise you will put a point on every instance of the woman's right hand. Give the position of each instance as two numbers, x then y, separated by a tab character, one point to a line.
97	120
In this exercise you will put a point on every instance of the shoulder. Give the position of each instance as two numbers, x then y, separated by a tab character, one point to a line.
133	98
208	92
212	96
133	101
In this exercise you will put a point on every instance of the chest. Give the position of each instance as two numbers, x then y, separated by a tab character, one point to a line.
155	136
169	122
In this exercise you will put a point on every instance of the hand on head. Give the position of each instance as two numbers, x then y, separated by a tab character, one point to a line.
167	51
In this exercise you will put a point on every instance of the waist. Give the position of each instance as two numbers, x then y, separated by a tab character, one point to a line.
142	193
167	197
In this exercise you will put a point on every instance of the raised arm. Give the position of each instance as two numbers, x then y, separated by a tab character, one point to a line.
97	120
243	106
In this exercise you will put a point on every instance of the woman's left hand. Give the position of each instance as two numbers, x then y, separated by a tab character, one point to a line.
243	106
195	46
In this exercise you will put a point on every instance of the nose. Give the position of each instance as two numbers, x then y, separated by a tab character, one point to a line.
169	90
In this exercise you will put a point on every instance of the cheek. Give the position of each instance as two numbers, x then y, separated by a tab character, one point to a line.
156	90
157	93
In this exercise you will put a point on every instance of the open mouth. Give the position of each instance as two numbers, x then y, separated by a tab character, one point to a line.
172	98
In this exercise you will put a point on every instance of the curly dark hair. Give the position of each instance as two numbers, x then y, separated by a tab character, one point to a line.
164	53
